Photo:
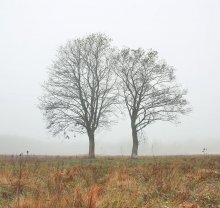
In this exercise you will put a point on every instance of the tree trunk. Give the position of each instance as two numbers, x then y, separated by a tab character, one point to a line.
91	144
135	141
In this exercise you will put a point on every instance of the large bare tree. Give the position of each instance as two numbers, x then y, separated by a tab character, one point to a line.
79	94
149	90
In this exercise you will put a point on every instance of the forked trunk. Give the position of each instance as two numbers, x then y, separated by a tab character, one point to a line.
135	141
91	145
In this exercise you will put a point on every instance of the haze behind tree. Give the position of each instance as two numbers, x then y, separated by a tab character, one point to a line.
186	34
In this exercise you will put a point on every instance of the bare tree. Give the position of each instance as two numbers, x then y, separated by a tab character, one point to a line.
149	90
79	95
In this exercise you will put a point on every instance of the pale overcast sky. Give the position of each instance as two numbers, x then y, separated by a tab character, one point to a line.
185	33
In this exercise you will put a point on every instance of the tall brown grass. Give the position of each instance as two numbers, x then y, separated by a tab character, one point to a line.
62	182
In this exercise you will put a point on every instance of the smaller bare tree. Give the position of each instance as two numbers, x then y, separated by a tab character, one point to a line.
149	91
79	95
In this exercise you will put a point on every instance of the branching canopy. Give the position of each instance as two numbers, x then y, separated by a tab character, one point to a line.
148	88
79	95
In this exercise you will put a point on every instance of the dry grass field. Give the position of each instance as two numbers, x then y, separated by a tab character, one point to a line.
110	182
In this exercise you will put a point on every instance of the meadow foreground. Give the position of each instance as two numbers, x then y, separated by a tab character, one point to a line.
110	182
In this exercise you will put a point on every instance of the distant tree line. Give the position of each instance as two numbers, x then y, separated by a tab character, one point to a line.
89	80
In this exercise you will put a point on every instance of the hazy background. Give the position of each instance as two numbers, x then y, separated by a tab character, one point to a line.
186	34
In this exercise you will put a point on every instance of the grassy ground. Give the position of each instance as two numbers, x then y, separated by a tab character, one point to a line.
119	182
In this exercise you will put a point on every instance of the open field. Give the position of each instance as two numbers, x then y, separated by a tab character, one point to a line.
110	182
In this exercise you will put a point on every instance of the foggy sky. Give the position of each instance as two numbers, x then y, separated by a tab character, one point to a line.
185	33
